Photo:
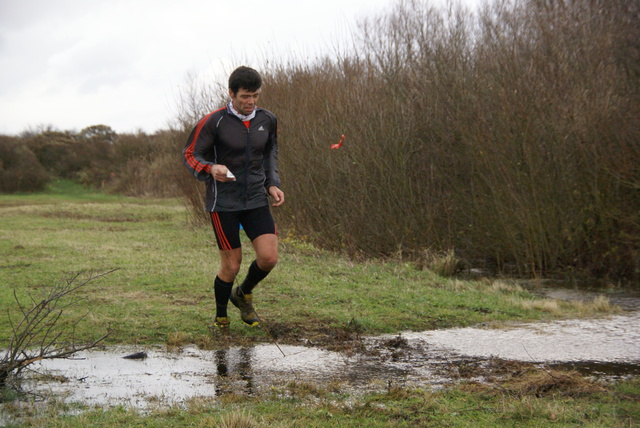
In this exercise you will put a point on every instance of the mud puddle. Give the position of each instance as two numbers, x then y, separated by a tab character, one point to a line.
105	378
613	341
607	347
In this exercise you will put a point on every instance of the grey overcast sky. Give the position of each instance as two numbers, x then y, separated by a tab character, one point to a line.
76	63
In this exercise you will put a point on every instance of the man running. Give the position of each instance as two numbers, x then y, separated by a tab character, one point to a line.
235	151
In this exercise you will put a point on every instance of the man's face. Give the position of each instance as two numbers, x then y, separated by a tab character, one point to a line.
244	101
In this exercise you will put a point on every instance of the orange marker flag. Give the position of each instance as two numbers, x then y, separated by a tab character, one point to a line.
337	146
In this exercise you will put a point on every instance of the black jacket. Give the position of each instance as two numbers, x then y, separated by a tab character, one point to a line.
250	153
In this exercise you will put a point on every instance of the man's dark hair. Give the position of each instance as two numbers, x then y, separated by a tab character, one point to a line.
244	77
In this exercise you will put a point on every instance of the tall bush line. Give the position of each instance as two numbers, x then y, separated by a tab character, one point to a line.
510	135
20	170
132	164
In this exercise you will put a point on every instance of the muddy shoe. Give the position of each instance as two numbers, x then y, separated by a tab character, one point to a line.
243	302
221	323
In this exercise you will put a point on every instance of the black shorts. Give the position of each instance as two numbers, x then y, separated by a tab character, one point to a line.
255	222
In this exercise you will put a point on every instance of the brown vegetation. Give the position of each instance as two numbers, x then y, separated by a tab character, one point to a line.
131	164
19	168
510	135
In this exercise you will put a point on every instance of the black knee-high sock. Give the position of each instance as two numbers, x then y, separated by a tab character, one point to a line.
254	276
222	290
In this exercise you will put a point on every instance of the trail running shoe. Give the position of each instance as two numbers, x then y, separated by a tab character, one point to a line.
222	323
243	302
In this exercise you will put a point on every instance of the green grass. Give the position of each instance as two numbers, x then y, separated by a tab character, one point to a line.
578	404
166	270
162	291
58	191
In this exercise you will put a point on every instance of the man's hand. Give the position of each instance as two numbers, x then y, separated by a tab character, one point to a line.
220	173
277	195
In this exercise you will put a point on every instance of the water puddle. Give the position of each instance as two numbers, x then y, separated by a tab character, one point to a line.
105	378
626	299
612	339
607	347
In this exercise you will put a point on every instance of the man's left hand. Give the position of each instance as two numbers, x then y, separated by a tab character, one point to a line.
277	195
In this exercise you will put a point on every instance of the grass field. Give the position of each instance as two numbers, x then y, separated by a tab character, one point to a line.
162	292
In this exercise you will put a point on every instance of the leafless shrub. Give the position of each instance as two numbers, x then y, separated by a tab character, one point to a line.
41	332
196	99
510	133
147	165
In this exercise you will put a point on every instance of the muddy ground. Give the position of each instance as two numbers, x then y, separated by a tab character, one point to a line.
607	348
341	360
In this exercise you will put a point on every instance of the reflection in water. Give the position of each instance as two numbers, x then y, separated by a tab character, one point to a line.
231	364
221	362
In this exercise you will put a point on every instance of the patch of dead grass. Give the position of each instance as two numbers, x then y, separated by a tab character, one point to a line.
599	305
177	339
551	382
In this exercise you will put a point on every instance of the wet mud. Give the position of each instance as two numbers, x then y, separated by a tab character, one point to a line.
149	377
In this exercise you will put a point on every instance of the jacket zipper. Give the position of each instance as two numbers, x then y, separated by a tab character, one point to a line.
247	166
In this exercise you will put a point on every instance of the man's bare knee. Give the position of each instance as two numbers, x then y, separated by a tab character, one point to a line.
266	247
268	262
230	264
229	273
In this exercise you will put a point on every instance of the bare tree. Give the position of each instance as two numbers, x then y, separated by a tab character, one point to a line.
40	333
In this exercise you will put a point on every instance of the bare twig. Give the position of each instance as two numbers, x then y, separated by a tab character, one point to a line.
39	334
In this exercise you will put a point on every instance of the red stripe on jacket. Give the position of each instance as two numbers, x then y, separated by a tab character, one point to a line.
188	153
